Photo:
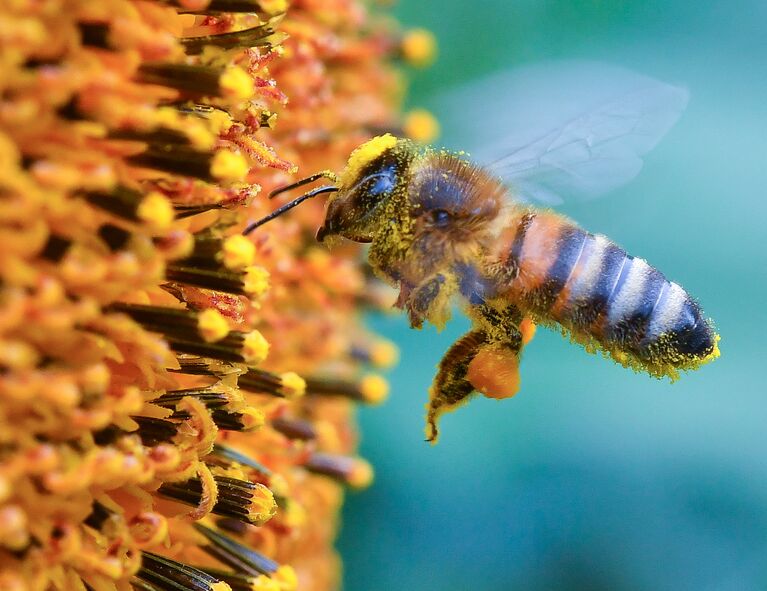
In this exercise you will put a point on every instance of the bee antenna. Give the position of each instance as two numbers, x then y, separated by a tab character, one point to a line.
290	205
323	174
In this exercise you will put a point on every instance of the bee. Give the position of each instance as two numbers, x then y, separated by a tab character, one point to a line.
443	227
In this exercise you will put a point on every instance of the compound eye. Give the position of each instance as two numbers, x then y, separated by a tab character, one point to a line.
440	217
380	183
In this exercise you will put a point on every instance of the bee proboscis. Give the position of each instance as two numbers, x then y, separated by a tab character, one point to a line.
441	226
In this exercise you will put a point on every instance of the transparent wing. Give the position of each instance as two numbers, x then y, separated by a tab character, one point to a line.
561	130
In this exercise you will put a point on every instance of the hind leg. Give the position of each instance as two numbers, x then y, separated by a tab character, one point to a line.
485	359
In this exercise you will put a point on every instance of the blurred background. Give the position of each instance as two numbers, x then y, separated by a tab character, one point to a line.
594	477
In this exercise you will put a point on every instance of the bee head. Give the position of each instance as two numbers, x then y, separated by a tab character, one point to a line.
369	187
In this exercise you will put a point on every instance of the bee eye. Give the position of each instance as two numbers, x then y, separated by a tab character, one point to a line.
440	217
382	182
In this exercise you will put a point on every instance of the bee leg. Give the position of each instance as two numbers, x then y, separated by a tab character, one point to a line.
485	360
451	386
429	301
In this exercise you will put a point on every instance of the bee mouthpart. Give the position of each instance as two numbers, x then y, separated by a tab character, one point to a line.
323	232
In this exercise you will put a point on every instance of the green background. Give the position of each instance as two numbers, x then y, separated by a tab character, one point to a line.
594	477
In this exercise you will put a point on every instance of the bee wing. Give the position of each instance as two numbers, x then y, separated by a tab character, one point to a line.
563	130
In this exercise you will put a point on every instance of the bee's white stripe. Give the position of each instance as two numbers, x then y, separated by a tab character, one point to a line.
584	283
626	301
667	310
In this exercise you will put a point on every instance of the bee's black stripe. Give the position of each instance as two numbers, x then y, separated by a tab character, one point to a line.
630	327
570	245
587	309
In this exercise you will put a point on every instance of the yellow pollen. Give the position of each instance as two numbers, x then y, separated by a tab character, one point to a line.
237	84
201	138
419	48
264	583
421	126
286	578
220	586
220	121
229	166
715	353
238	252
255	348
256	280
384	354
262	505
274	6
252	418
374	388
156	210
293	385
527	328
364	154
212	325
361	475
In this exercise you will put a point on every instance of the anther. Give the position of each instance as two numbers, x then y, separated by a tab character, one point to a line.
354	472
236	555
240	499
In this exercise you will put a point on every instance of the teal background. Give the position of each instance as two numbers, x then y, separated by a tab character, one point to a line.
594	477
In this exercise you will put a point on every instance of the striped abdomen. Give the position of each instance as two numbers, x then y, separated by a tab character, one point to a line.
599	293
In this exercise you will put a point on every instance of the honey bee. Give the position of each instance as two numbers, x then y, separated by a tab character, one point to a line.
443	227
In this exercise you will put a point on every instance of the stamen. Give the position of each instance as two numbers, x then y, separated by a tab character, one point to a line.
192	78
236	555
226	455
247	501
165	574
288	206
288	385
182	329
122	202
371	389
210	396
354	472
237	581
200	366
219	165
154	431
295	428
260	36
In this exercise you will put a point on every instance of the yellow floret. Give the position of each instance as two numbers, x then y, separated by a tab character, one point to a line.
156	210
212	325
220	121
238	252
262	505
419	47
374	388
361	475
384	354
274	6
421	126
252	418
255	348
236	83
264	583
293	385
364	154
256	280
229	166
286	578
